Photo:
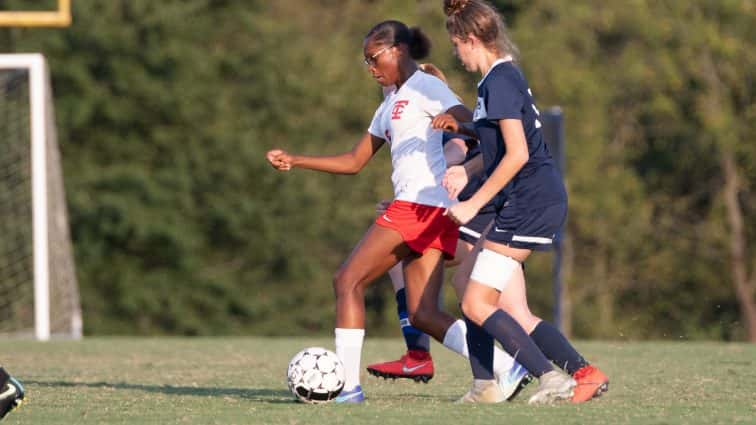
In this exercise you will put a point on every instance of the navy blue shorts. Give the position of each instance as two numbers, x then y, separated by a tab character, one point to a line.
472	231
533	229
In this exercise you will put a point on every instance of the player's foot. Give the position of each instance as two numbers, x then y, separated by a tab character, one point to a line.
483	391
553	386
513	380
416	365
11	393
355	395
591	382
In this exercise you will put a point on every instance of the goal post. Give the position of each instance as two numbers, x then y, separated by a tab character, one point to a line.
56	308
57	18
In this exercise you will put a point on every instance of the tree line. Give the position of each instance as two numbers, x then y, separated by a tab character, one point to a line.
165	110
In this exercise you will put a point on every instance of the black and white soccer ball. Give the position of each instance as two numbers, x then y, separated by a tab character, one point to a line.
315	375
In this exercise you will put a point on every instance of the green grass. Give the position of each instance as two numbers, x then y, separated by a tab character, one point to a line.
242	381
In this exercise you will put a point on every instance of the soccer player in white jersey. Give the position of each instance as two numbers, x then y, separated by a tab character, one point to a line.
417	363
518	166
413	229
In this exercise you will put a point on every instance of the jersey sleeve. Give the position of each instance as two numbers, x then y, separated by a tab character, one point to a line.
438	97
376	129
504	98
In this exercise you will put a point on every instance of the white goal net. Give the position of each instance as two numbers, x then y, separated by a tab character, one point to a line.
39	293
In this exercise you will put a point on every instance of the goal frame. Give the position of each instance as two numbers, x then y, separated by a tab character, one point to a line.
39	115
58	18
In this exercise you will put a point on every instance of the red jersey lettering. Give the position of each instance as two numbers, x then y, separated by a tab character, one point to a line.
396	113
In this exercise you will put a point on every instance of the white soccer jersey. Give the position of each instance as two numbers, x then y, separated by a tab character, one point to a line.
417	155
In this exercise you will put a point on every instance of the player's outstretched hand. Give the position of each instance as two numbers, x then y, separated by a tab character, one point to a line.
445	122
279	159
455	180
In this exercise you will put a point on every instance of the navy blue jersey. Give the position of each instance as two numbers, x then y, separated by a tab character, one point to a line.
504	94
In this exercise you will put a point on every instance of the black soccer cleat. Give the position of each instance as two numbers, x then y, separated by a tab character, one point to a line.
11	393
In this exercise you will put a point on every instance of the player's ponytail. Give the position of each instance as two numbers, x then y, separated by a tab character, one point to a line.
419	43
392	33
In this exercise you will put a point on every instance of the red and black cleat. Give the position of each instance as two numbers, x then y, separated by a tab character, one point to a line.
416	365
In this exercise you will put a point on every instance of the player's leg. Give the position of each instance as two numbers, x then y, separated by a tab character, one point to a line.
592	382
509	374
379	250
423	279
416	363
492	272
414	338
409	366
532	233
11	393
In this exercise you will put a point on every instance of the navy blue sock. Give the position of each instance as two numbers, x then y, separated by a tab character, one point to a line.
415	338
480	344
517	343
556	347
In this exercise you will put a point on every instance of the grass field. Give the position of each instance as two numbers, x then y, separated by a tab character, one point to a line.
242	381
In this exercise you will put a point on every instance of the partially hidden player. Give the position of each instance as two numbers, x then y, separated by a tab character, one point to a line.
518	165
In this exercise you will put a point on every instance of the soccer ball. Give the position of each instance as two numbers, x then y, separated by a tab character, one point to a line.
315	375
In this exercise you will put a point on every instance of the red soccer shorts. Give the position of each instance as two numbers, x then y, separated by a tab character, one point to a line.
421	226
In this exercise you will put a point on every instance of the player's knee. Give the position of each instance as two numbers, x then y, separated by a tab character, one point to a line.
472	309
344	284
420	318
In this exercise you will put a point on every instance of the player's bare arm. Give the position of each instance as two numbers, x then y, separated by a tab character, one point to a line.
347	163
451	121
457	176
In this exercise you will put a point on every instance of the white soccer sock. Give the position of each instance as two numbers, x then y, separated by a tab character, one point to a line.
502	361
455	339
349	350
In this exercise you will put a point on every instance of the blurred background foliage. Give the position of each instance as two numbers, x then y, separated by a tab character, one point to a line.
165	110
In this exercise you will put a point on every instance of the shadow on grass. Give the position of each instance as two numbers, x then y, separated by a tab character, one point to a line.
263	395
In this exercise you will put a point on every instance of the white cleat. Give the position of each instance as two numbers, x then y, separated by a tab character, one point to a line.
483	391
513	380
553	386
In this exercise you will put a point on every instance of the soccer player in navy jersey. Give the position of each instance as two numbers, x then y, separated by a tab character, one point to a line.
11	393
521	172
413	229
417	363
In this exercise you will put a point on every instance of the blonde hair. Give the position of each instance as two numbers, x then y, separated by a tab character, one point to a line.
481	19
433	70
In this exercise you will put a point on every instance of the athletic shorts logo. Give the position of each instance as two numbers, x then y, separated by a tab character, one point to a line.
385	217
